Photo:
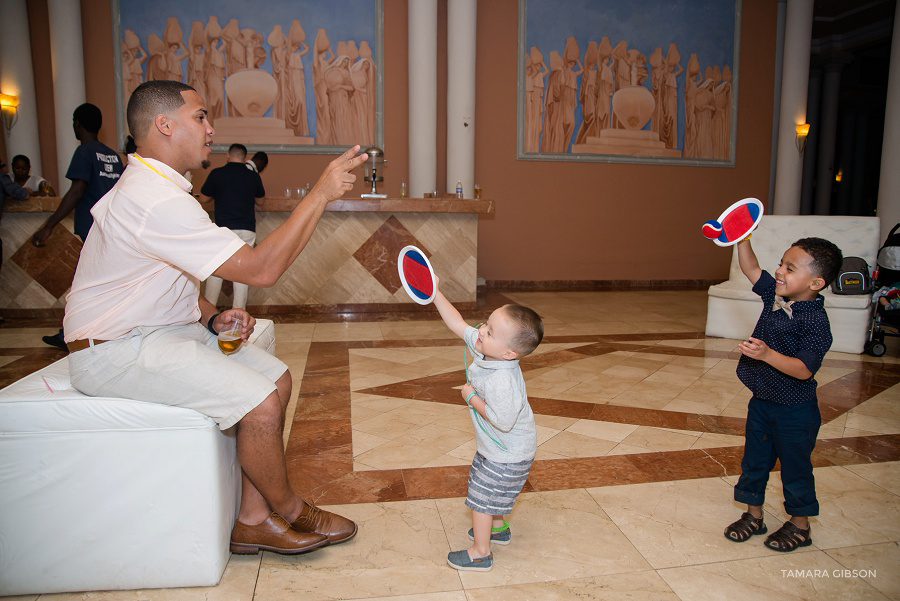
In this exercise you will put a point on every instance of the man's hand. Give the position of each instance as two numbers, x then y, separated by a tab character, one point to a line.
337	179
755	349
224	320
39	238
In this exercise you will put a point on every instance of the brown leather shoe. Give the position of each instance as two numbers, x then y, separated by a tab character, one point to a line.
312	519
274	534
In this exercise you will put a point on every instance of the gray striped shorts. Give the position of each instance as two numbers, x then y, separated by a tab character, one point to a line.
494	487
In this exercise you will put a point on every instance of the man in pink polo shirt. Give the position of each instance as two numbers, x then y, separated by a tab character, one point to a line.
137	327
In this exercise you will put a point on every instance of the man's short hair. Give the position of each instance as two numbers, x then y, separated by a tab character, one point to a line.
528	326
238	151
21	157
89	116
261	157
150	99
826	257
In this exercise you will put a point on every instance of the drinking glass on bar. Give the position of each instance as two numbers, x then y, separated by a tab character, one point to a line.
230	340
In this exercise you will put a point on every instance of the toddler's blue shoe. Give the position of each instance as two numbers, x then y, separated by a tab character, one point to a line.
503	537
460	560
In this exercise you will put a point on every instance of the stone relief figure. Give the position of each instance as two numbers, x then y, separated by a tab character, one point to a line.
533	122
279	57
127	59
252	41
235	53
588	95
363	76
215	69
638	67
722	94
295	89
657	85
235	57
133	59
573	68
529	103
321	61
691	85
196	77
175	49
669	131
720	98
704	105
552	139
622	73
156	63
605	85
339	83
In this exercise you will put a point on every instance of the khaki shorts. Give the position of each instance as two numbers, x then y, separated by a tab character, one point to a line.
181	366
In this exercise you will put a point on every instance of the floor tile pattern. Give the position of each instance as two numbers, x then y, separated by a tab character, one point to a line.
640	430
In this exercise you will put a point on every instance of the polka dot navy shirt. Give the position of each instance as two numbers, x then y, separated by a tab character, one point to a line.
805	336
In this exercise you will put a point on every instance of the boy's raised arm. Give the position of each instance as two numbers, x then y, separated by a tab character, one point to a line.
449	314
748	262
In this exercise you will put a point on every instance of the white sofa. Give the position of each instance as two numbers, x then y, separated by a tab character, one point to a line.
733	308
104	493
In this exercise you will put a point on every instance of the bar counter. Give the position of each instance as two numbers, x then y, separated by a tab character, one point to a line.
351	260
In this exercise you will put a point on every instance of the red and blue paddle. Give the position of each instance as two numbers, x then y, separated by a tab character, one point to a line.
416	275
736	223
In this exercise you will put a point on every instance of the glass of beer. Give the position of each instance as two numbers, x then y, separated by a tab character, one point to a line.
230	340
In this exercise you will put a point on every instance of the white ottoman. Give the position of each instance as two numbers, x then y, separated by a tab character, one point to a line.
103	493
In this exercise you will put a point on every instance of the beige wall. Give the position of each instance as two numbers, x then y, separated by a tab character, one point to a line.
553	221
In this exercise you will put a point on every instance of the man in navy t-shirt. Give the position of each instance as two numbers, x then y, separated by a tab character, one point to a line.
236	191
94	170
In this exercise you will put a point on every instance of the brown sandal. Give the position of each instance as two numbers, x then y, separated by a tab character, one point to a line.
745	527
788	537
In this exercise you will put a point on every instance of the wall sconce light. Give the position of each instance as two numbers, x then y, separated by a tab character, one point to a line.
9	110
802	134
839	175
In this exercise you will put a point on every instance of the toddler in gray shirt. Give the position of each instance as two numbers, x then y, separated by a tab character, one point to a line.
505	434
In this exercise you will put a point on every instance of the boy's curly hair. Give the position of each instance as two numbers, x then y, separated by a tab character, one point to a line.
529	329
826	257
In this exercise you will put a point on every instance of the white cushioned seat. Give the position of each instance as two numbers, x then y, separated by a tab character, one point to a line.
104	493
733	308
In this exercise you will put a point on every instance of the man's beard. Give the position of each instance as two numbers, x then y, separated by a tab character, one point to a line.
205	164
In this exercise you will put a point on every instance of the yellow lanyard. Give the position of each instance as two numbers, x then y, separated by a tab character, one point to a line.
152	168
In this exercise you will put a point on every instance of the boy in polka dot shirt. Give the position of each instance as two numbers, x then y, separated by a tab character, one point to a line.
778	363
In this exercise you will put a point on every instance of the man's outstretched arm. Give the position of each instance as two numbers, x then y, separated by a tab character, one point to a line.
263	265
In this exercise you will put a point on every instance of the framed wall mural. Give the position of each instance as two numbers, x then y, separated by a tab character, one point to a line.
636	82
298	76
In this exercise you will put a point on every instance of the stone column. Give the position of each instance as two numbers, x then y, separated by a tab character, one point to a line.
17	78
831	92
779	68
813	116
889	182
422	97
794	82
461	26
67	55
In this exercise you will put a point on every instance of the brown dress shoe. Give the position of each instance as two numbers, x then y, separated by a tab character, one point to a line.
312	519
274	534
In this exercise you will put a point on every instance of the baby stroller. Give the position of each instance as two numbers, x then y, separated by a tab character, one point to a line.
885	320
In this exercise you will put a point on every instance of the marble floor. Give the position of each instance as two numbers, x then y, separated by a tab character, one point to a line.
640	421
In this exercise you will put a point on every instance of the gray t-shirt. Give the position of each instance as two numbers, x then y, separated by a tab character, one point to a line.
509	434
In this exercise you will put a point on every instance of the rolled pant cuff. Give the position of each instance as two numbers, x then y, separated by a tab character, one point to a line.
742	496
805	511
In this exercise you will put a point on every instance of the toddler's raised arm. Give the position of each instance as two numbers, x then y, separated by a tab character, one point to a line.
449	314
